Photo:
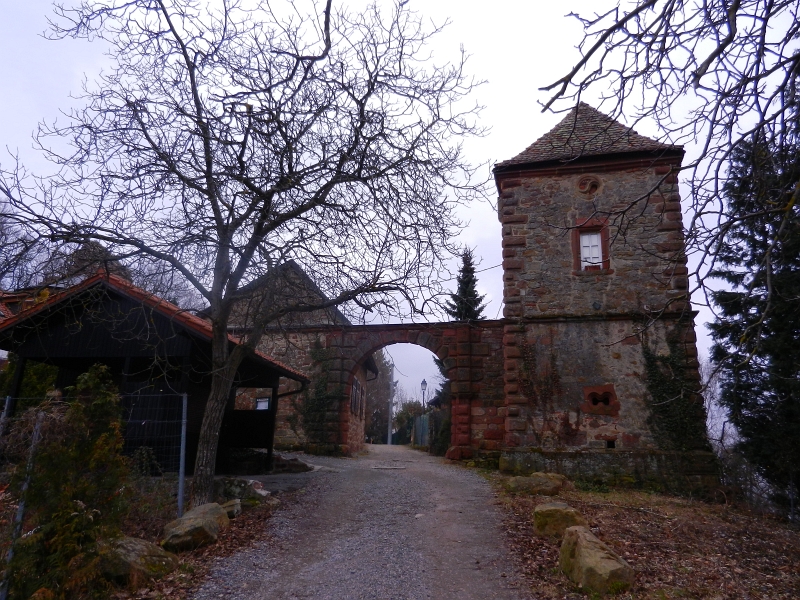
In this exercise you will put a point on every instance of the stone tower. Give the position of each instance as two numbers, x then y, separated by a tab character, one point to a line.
600	356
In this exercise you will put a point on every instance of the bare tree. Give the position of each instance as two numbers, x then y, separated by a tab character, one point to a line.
717	73
229	138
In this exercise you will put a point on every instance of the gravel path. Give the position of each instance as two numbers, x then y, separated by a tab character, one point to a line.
395	524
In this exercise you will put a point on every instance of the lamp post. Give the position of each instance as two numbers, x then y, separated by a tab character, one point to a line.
424	386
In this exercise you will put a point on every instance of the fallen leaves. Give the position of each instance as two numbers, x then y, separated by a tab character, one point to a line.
679	547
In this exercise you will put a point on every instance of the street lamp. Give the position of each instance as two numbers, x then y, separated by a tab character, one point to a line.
424	386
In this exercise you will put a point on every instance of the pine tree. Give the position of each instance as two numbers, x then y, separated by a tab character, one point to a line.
757	330
466	304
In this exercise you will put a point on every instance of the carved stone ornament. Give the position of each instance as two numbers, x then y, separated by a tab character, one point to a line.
588	184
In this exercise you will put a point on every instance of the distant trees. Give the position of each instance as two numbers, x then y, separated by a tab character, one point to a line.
227	139
405	412
466	304
757	329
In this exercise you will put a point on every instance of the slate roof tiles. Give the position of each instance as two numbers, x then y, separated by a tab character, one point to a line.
585	132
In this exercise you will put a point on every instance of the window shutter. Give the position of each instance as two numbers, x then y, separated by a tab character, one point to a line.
591	253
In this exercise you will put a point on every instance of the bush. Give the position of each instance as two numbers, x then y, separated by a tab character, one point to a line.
77	493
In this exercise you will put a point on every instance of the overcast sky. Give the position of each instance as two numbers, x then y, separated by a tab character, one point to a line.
517	46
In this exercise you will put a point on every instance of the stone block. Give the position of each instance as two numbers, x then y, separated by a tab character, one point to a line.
542	484
516	424
131	561
553	518
591	564
198	527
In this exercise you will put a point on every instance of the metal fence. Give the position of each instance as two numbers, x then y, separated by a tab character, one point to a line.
153	428
421	433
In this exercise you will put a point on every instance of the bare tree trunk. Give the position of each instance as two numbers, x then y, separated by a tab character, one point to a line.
222	380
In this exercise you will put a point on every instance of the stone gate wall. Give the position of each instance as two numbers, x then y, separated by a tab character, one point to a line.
333	355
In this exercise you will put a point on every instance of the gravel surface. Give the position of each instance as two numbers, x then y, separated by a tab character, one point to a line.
395	524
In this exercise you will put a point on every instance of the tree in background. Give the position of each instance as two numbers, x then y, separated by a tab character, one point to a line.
441	422
757	330
405	411
227	139
466	303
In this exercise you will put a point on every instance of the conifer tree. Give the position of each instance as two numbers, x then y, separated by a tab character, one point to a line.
758	323
466	304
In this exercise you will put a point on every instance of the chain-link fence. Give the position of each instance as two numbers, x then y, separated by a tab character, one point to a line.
153	428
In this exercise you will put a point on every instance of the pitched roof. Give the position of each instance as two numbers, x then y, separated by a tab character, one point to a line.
584	132
189	321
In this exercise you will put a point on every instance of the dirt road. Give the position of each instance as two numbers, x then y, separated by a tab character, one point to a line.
395	524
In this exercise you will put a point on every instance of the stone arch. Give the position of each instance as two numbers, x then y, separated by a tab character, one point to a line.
472	354
433	343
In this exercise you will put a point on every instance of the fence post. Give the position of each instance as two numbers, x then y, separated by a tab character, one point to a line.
18	518
182	468
6	415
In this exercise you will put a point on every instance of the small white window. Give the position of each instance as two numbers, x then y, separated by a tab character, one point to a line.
591	251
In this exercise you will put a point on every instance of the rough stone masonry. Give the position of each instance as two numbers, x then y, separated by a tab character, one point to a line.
593	370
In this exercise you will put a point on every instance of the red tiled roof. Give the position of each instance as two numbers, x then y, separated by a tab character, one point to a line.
125	287
586	131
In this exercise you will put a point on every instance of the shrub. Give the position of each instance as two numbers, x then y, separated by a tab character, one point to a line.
77	493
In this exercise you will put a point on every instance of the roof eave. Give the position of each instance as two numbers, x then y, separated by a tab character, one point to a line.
582	161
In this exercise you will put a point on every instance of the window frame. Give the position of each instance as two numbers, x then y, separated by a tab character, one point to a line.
591	225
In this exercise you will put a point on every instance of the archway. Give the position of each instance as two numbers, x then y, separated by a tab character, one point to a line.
416	411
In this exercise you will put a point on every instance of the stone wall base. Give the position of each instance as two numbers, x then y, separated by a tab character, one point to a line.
680	472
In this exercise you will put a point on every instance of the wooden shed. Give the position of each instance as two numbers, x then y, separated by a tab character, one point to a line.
155	350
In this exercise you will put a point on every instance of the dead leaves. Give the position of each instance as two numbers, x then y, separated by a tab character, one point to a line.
679	547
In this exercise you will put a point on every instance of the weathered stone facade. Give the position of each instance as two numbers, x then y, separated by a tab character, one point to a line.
588	341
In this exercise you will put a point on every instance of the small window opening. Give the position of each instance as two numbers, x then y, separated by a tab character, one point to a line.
598	399
591	251
611	444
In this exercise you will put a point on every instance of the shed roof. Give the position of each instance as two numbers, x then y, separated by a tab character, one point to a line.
585	132
192	323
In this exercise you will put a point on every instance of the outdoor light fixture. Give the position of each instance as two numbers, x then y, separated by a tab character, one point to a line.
424	386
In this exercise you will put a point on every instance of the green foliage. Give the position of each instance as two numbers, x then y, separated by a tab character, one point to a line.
677	415
757	329
466	304
37	379
404	421
442	395
77	493
441	436
320	400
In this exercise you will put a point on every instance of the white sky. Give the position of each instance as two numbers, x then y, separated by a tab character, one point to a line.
517	46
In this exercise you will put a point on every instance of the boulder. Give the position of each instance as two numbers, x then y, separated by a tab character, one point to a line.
198	527
543	484
131	561
591	564
231	488
233	508
553	518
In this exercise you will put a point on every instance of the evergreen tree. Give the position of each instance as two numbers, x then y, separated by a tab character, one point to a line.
466	304
758	328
